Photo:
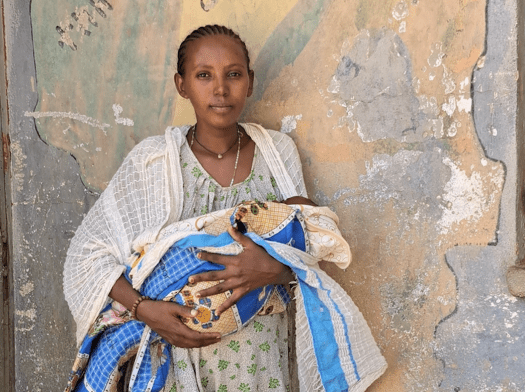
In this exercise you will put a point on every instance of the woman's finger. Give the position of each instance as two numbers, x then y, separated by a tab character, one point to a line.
236	296
188	338
183	311
181	335
210	276
219	288
239	237
189	334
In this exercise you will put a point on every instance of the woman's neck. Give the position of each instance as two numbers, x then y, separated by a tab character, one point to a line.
216	139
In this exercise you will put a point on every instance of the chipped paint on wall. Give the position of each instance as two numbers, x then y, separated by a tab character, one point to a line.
117	110
400	10
289	123
208	5
467	198
26	289
73	116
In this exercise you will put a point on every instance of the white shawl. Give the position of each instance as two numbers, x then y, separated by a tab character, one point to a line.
146	194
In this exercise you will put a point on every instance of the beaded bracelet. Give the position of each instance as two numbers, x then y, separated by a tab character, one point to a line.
136	305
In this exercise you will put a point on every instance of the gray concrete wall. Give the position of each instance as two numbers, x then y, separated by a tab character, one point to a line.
481	343
441	313
48	203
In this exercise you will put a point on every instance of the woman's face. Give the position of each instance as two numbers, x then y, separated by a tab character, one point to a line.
216	80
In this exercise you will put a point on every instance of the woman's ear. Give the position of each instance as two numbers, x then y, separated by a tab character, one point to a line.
251	75
179	84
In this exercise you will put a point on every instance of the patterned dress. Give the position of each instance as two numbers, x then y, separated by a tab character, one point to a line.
255	358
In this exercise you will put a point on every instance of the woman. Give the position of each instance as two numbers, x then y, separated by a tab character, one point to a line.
215	164
190	171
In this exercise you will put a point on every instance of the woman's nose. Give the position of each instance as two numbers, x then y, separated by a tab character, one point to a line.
221	86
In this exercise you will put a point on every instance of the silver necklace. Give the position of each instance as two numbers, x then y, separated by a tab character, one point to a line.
236	158
239	135
219	155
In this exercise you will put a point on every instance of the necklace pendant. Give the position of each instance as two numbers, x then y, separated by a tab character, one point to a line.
219	156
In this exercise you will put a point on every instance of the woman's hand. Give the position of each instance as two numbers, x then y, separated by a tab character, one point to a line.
165	319
244	272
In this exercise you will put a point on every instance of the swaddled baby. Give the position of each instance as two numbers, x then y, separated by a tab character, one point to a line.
270	221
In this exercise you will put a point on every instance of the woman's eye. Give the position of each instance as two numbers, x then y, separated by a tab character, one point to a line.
202	75
234	74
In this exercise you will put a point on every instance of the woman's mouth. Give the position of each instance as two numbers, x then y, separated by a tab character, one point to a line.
221	108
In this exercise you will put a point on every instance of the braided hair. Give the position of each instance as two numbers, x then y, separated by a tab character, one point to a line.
205	31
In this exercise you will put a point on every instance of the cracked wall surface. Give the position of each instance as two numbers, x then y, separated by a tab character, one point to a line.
404	116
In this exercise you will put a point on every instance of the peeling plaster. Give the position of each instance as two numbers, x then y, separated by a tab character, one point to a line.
208	5
450	107
26	289
117	110
436	55
400	10
465	197
464	104
289	123
409	179
373	81
18	158
73	116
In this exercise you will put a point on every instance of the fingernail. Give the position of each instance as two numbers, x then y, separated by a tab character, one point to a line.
199	255
194	312
198	295
191	279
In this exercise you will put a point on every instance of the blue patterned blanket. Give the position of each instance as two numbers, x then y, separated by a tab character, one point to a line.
336	351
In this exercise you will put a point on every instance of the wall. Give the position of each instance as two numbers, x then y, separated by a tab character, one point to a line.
404	113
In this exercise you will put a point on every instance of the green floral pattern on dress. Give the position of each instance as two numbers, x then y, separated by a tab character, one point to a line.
244	387
234	345
250	177
261	372
265	347
274	383
251	359
252	368
271	197
196	172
